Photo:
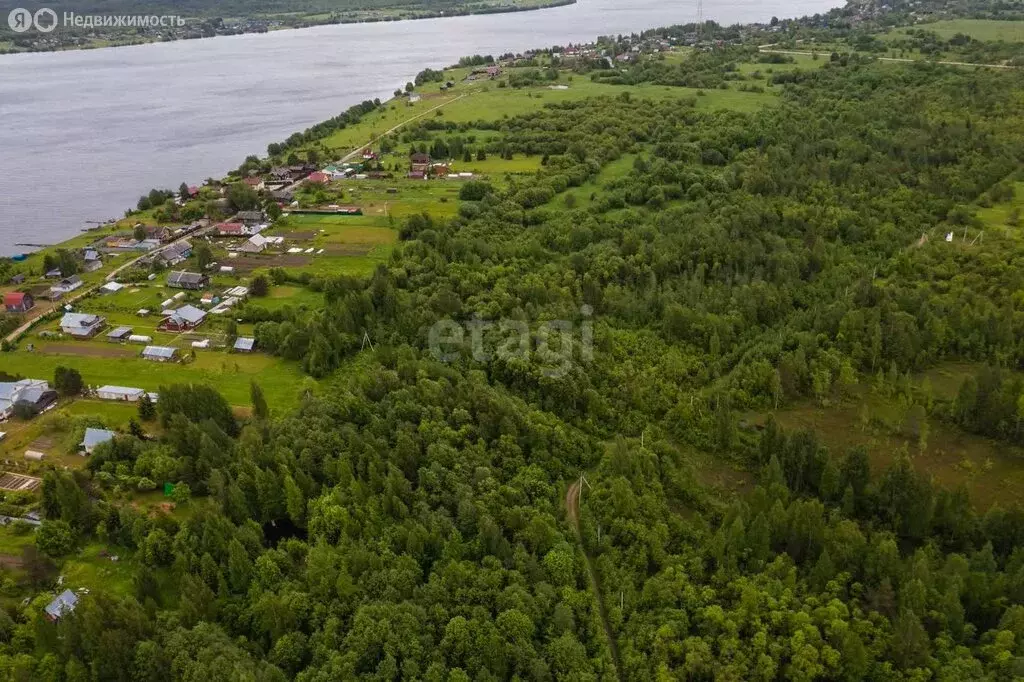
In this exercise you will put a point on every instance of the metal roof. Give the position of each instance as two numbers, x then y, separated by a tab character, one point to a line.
124	390
78	320
65	602
190	313
159	351
244	343
179	276
119	332
94	437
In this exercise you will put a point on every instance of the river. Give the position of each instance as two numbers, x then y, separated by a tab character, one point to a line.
84	133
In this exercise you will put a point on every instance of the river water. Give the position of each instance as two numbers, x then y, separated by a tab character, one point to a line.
83	134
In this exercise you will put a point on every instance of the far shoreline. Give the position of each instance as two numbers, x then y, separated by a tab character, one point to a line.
501	9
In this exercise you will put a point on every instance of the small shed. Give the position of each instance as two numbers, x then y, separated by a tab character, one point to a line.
95	437
65	602
159	353
125	393
119	335
35	455
244	344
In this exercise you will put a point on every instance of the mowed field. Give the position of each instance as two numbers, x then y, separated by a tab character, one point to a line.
979	29
229	373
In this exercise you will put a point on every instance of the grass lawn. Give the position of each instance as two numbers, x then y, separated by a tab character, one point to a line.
494	103
281	296
12	543
979	29
379	122
229	373
612	171
993	472
98	573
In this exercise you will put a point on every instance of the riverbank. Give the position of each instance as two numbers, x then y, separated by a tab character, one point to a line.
196	28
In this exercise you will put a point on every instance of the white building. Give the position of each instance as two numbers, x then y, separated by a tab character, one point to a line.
119	393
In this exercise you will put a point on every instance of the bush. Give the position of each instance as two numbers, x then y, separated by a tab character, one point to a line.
55	538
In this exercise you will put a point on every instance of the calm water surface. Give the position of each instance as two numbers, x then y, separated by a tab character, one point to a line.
83	134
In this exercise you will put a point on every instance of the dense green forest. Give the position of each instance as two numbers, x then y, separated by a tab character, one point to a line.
413	517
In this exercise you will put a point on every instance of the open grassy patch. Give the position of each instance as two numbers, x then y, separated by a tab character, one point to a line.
229	373
979	29
94	569
992	472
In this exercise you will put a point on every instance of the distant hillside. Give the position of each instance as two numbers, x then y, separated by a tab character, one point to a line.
265	8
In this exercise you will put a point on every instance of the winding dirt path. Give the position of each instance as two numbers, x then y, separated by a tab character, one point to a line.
572	510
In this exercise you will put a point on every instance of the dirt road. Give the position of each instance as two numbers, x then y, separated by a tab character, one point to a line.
572	511
358	150
39	310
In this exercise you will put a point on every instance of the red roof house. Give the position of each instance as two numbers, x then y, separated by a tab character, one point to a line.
318	178
231	229
18	302
255	182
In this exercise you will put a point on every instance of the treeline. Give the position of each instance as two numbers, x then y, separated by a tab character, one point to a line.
323	129
824	571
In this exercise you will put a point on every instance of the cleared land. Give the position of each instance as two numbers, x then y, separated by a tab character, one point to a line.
979	29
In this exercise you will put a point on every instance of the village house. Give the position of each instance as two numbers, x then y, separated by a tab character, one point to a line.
181	279
250	218
33	393
92	260
417	175
183	319
82	325
175	253
231	229
111	288
155	232
318	178
18	302
256	182
124	393
280	173
284	196
160	353
93	438
256	244
65	603
66	286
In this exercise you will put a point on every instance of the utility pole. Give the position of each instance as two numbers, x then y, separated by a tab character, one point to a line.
579	492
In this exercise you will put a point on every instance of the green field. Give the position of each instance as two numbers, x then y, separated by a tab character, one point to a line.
229	373
979	29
